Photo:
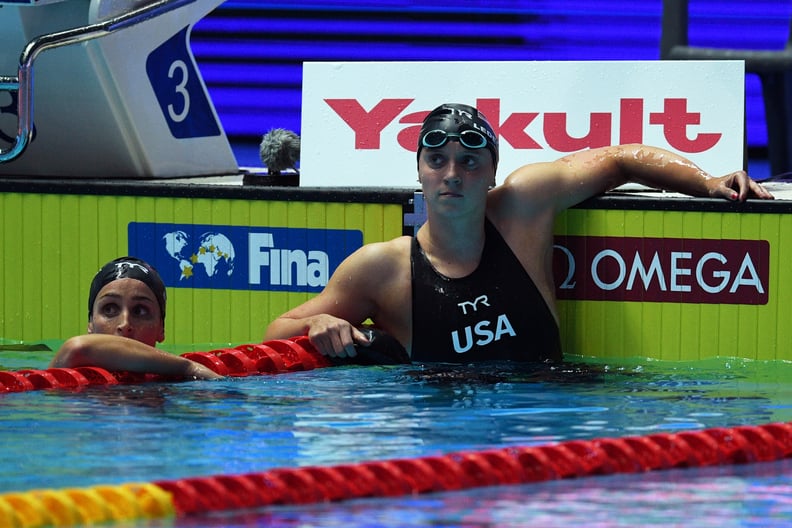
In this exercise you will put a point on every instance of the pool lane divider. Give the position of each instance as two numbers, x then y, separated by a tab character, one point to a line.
270	357
397	477
386	478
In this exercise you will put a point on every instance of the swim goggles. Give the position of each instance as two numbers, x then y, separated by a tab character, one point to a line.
471	139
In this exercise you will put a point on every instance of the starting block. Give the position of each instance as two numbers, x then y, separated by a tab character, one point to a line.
116	91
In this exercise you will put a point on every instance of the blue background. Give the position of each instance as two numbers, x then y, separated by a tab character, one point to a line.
146	241
251	51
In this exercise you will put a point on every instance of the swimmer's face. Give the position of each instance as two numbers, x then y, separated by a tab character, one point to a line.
128	308
453	171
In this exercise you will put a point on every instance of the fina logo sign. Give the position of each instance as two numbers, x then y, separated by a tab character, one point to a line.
242	258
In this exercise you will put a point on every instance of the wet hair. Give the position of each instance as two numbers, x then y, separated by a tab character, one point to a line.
455	118
128	268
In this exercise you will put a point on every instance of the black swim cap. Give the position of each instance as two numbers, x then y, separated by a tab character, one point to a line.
455	118
128	268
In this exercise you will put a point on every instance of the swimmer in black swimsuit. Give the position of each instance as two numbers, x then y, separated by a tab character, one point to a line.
477	283
495	313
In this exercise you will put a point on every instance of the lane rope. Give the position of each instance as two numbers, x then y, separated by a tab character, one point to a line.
397	477
385	478
270	357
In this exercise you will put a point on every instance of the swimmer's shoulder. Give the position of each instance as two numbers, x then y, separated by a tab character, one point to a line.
376	262
388	251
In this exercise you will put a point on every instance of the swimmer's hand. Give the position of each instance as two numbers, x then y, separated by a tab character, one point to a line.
196	371
737	187
383	349
334	337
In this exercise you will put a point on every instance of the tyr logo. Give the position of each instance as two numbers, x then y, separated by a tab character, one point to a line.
473	304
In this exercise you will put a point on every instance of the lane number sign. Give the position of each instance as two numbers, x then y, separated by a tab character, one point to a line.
179	90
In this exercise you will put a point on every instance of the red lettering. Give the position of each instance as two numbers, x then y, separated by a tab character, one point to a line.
675	119
555	131
368	125
408	138
631	121
512	129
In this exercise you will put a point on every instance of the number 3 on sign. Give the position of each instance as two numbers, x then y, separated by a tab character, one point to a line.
180	93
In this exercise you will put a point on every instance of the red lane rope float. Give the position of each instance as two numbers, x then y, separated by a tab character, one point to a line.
270	357
392	478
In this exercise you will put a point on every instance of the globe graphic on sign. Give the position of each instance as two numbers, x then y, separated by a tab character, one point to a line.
216	253
175	242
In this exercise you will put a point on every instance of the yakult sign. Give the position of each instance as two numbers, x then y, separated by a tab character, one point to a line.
360	121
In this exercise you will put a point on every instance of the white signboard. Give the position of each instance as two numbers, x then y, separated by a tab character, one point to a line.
360	120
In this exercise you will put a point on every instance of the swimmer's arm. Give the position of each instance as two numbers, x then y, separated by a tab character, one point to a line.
116	353
332	335
330	319
581	175
663	169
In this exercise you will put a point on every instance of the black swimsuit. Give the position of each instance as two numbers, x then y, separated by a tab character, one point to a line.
495	313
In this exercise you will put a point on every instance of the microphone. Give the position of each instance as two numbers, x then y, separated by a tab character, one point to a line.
280	150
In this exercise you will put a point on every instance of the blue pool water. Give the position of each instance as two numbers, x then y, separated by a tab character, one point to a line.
110	435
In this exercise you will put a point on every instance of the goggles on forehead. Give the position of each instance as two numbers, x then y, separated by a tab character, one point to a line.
471	139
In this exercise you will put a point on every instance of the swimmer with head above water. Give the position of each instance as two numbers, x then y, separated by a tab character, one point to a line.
126	320
476	282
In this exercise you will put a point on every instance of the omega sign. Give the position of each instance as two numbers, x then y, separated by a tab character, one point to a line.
662	269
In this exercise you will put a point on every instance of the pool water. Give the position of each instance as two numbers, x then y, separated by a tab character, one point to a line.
146	432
